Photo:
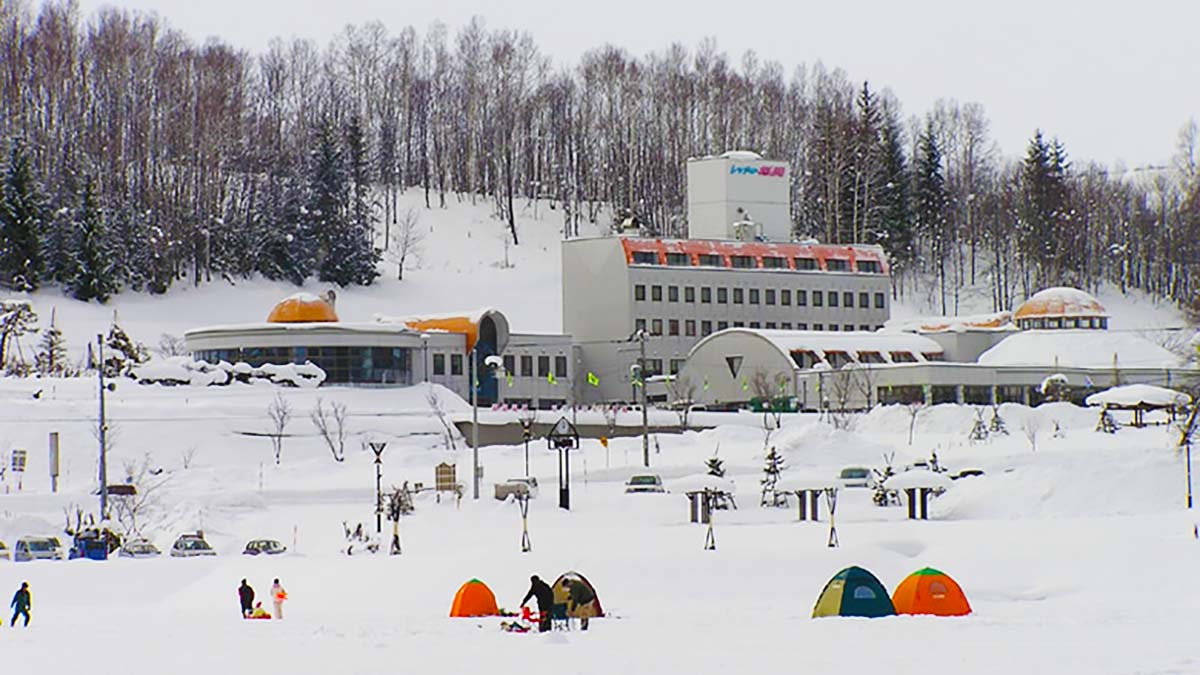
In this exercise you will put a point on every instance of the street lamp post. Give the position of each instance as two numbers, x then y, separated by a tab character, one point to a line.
425	355
377	448
495	366
527	419
102	431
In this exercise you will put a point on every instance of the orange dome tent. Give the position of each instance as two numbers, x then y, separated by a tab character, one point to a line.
474	598
303	308
928	591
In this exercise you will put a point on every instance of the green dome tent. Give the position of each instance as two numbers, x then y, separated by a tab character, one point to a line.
854	592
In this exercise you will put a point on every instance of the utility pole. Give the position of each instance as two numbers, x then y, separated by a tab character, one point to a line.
641	336
102	430
474	371
377	448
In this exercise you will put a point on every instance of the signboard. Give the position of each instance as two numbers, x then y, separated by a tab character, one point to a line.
18	460
54	454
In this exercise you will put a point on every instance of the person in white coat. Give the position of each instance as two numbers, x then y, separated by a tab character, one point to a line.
278	595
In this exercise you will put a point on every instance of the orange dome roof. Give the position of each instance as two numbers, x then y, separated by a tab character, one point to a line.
302	308
1060	302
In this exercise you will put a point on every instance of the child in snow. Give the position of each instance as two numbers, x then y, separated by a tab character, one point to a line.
259	612
278	595
20	604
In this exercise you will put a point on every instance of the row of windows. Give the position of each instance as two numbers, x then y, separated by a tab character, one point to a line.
767	296
694	328
749	262
510	365
1070	322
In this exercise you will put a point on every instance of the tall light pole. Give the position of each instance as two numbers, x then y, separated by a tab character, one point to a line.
641	337
474	380
377	448
102	431
425	356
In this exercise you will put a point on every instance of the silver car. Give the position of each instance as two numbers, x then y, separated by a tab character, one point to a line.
647	482
139	548
37	548
191	545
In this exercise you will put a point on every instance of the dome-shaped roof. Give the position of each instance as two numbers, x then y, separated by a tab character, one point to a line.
1060	302
302	308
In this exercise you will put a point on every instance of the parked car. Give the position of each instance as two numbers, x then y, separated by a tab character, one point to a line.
139	548
646	482
4	552
37	548
191	545
263	546
517	486
855	477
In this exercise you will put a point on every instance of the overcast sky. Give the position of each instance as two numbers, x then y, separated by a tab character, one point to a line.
1114	81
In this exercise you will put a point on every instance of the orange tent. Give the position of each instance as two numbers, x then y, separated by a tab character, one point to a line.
474	598
928	591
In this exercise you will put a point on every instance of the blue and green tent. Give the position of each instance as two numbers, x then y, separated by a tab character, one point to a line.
854	592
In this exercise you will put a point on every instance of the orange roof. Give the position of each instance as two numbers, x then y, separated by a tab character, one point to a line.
822	253
302	308
1060	302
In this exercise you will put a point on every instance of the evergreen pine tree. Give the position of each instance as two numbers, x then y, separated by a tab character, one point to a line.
715	466
771	471
22	216
355	248
93	278
121	353
895	233
326	210
997	426
51	358
930	194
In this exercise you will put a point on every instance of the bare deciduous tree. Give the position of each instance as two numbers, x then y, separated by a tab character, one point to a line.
171	345
439	411
136	511
1031	428
189	455
683	395
280	413
407	242
331	423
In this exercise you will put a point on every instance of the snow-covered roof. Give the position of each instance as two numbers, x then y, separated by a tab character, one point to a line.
1060	301
702	481
472	315
1083	348
823	342
303	296
918	478
995	321
745	155
307	326
1133	395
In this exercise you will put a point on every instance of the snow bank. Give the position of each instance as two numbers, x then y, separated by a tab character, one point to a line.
182	370
919	478
1078	349
703	481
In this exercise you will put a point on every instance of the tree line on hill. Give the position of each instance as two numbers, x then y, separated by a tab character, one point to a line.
137	158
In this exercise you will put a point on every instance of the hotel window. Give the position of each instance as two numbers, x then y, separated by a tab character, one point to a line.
769	296
870	267
773	263
676	365
639	292
543	366
818	326
656	293
833	327
738	295
706	294
689	294
710	260
770	325
678	259
786	325
742	262
835	265
848	300
849	328
864	300
653	367
785	297
526	366
510	364
560	366
880	301
645	258
801	326
705	328
818	298
833	298
689	328
805	263
754	296
722	325
739	324
673	327
864	328
722	296
456	363
439	364
755	324
801	298
656	326
672	294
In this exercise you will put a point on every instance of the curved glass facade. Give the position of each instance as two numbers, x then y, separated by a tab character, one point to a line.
342	365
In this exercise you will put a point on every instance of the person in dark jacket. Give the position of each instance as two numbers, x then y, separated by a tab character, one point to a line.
246	595
545	600
581	605
20	604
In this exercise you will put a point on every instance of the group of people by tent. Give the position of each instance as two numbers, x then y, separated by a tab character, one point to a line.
856	592
570	597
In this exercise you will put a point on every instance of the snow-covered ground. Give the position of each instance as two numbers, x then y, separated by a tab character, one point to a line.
1078	556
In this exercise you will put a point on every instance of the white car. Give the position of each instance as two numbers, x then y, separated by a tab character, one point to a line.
37	548
191	545
646	482
856	477
139	548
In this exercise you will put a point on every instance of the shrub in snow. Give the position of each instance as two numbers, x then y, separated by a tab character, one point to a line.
121	353
181	370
